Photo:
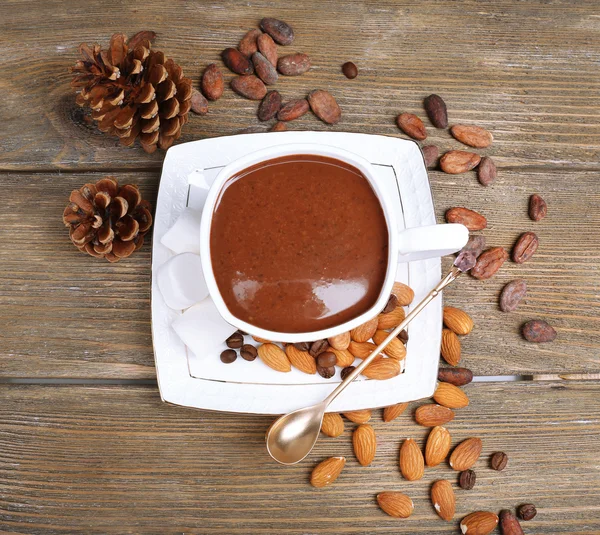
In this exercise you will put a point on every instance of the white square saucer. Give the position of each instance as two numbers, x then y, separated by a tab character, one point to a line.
204	382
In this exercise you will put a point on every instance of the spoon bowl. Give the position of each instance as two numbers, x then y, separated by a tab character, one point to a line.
292	436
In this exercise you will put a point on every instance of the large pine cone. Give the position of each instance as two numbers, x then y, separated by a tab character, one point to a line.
133	91
107	221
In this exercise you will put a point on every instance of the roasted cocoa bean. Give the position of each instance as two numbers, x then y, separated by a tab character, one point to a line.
268	48
486	171
455	162
476	245
455	376
525	247
324	106
212	83
412	126
248	44
509	525
391	305
293	65
474	136
489	262
538	332
465	261
469	218
527	511
263	69
269	106
350	70
279	127
236	62
199	103
537	207
293	109
430	154
512	294
249	86
281	32
436	111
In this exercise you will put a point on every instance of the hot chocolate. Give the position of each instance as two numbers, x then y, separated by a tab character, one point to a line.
299	244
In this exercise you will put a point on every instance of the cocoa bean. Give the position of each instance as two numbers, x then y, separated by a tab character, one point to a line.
474	136
455	376
436	111
293	109
350	70
412	126
279	127
476	244
268	48
512	294
293	65
199	103
465	261
236	61
430	154
538	332
281	32
248	44
469	218
263	69
486	171
527	511
525	247
269	106
212	83
455	162
537	207
249	86
324	106
509	525
489	262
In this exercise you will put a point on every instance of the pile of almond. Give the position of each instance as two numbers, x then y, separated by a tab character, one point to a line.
414	458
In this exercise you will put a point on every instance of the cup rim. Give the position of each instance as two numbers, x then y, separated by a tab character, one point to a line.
289	149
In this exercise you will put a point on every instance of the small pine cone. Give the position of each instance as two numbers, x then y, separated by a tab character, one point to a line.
133	92
107	221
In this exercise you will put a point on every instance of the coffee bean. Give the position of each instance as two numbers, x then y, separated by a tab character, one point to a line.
212	83
278	127
236	61
199	103
436	111
527	511
263	69
347	371
248	352
512	294
268	48
281	32
499	461
324	106
467	479
293	65
525	247
318	347
228	356
293	110
248	44
326	359
538	332
489	262
249	86
350	70
455	376
403	336
269	106
235	341
486	171
430	154
391	305
241	332
302	346
326	373
537	207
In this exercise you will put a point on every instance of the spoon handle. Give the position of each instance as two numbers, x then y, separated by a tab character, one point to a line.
452	276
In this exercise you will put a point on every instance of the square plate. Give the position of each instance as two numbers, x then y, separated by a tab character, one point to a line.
251	387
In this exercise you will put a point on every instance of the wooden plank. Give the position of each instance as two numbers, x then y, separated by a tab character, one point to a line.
116	460
526	70
64	314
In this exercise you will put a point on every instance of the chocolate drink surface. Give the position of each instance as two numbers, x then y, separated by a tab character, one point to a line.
299	244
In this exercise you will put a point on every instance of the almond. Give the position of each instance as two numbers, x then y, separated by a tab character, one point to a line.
465	455
404	293
364	443
301	359
457	320
450	396
340	341
450	347
443	499
361	350
391	320
412	126
455	162
364	332
249	86
395	504
327	471
382	369
469	218
344	357
395	349
393	411
431	415
412	464
332	424
274	357
358	417
438	446
479	523
474	136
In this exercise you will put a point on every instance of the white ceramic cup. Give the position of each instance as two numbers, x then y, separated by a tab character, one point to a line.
405	246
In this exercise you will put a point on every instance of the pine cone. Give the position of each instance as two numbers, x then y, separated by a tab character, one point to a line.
106	221
133	91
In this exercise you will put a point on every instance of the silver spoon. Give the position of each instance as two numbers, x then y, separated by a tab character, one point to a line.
292	436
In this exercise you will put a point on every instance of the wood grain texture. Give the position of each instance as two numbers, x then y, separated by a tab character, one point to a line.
117	460
65	314
525	70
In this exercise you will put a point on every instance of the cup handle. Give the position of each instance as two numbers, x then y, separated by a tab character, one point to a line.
432	241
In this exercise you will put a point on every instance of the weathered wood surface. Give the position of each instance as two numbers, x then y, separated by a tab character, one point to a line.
64	314
117	460
526	70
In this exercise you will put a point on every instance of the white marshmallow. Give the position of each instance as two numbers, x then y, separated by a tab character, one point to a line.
181	281
184	235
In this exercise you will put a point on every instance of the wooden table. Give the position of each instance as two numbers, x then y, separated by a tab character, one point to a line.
86	446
